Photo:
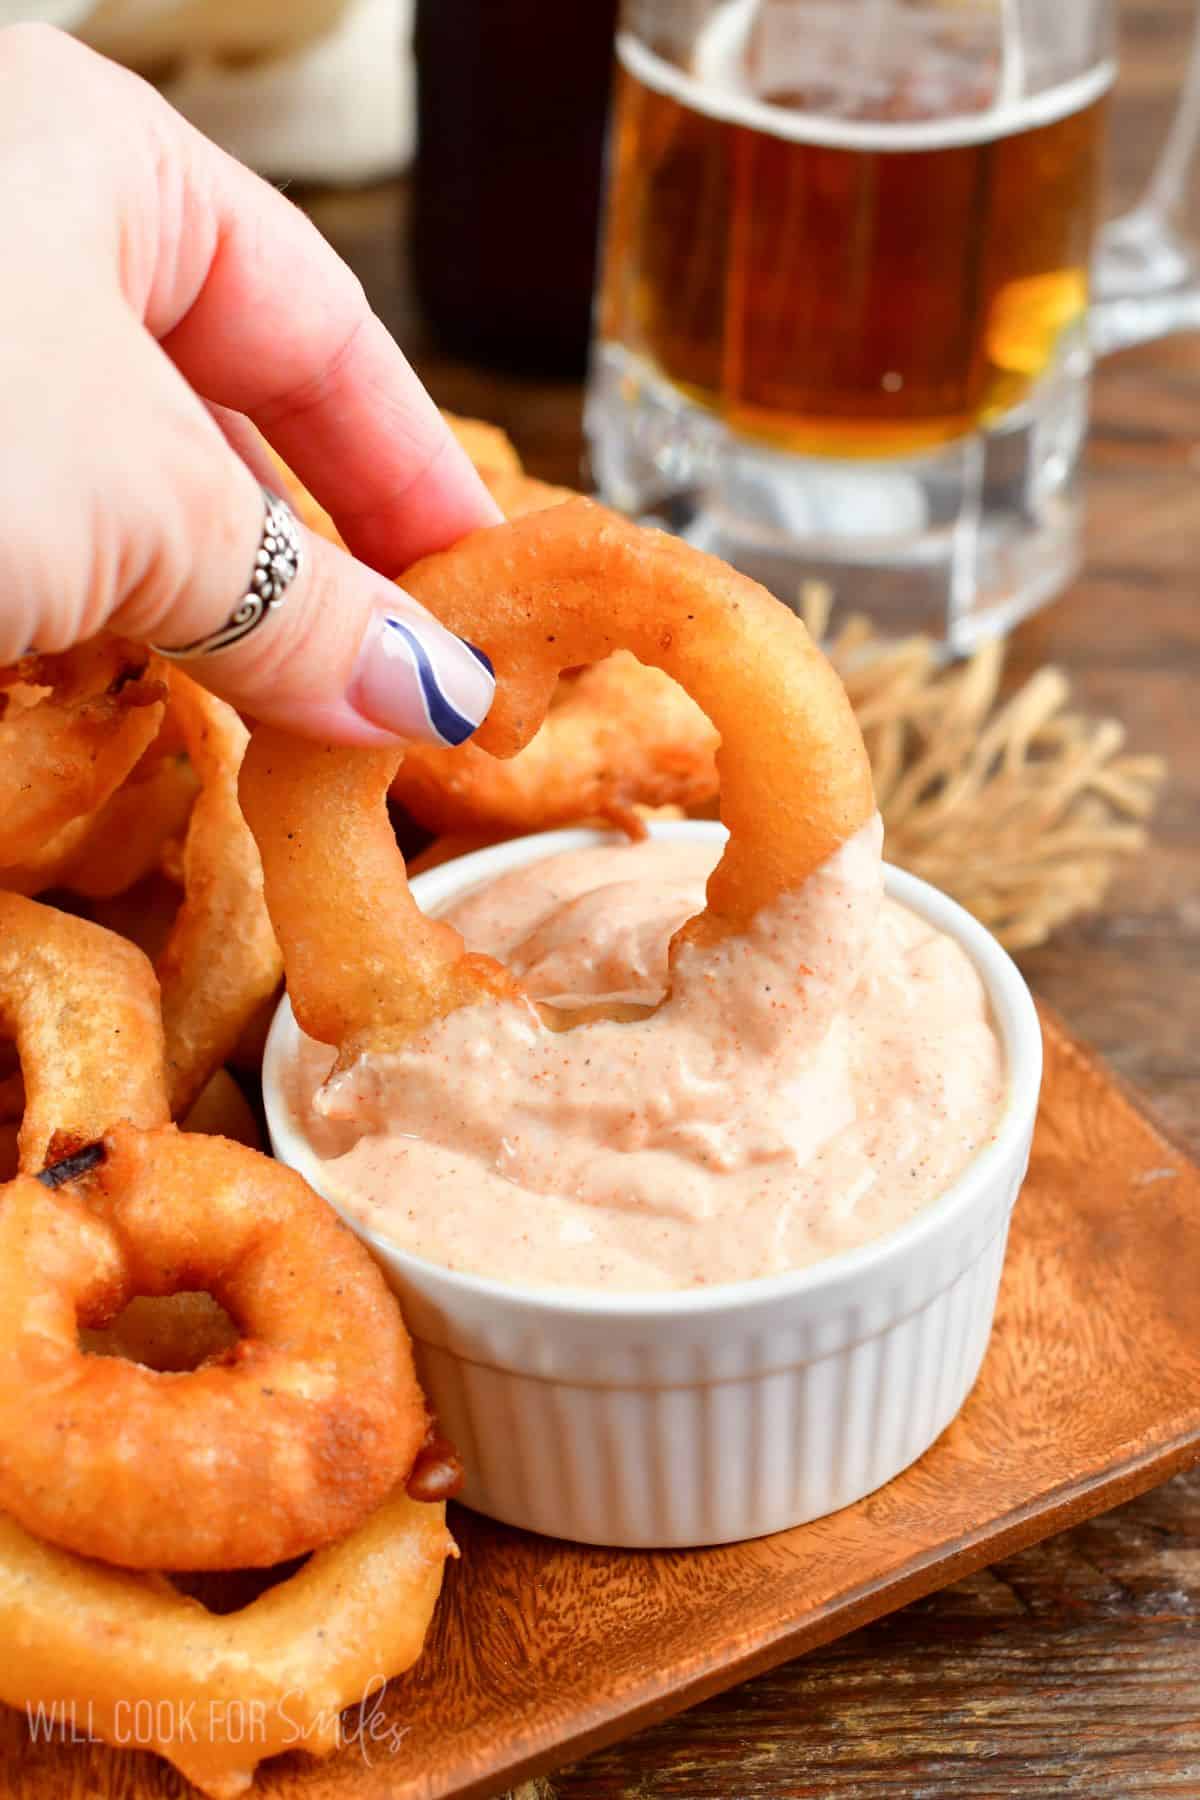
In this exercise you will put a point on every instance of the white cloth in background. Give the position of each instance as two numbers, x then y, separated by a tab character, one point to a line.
66	13
303	90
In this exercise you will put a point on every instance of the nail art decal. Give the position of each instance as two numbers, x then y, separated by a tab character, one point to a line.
447	724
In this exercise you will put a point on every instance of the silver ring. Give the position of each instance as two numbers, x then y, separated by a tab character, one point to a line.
277	563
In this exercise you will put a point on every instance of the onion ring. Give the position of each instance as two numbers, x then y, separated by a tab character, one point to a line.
180	1331
82	1007
563	587
63	752
101	854
97	1639
221	961
127	836
47	867
278	1447
617	734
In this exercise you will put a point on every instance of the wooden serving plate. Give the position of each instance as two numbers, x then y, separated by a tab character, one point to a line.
542	1651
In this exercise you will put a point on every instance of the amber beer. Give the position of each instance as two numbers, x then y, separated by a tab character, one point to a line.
864	286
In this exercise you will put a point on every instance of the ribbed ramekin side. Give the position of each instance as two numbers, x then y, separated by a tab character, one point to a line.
649	1464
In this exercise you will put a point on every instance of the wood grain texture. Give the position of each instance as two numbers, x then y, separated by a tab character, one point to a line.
1090	1393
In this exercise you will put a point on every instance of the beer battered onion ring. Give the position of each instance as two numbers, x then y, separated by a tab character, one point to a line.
72	726
365	967
221	961
616	735
271	1450
127	836
102	853
82	1007
100	1639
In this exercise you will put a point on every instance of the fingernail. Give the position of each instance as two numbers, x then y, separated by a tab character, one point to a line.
417	679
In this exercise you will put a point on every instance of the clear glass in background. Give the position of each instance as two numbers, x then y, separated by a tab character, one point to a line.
843	332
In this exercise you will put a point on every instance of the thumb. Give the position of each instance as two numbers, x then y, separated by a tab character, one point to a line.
343	653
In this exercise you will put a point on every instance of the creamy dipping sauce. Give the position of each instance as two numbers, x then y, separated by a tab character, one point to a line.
805	1088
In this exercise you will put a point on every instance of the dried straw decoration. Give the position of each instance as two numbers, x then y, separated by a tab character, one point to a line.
1019	809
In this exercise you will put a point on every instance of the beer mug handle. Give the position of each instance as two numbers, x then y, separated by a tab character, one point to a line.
1146	271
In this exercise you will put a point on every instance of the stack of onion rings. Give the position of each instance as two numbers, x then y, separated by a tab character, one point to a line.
176	807
290	1417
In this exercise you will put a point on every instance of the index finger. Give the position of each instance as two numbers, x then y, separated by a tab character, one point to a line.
260	315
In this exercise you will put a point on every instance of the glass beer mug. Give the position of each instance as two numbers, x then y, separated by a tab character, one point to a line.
842	333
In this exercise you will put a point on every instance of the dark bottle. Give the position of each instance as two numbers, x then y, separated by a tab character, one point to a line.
511	104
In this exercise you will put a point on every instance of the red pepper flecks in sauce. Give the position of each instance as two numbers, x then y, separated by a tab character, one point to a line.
804	1088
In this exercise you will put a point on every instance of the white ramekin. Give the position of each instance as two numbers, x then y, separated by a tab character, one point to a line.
701	1417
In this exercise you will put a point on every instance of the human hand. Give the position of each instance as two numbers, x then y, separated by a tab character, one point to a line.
156	297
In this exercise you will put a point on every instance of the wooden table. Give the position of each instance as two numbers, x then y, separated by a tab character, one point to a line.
1074	1669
